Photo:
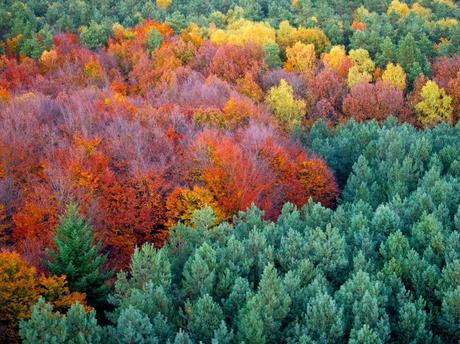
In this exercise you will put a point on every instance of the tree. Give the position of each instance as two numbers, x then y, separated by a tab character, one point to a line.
18	292
154	40
21	287
374	101
182	203
204	318
435	105
323	319
362	67
272	55
287	110
77	257
301	58
44	326
395	76
134	327
94	36
337	60
163	4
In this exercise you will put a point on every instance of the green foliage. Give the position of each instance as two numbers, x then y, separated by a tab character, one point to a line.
94	35
383	266
272	55
154	40
76	327
77	257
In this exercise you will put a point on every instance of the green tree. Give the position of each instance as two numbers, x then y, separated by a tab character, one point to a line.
77	257
272	55
323	319
94	36
154	40
76	327
204	318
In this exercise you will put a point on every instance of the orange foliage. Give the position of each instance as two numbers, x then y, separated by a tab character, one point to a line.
358	26
4	95
20	288
249	87
182	203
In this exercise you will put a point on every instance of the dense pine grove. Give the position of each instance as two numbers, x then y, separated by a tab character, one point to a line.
228	172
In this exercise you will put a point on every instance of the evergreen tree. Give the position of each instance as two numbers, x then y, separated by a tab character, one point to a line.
77	257
272	55
76	327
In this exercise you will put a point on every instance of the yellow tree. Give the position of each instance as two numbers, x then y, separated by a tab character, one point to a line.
301	58
395	75
20	288
399	8
435	106
362	68
336	60
244	31
163	4
182	203
286	35
287	110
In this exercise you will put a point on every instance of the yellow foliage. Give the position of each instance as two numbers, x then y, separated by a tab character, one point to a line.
93	71
447	22
399	8
335	59
395	75
361	13
362	68
420	10
49	60
182	203
193	33
435	106
287	36
12	44
301	58
120	33
287	110
244	31
163	4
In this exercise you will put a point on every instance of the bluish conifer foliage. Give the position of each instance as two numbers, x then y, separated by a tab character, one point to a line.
77	257
383	267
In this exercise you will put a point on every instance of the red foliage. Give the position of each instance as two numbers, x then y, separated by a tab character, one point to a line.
131	136
232	62
375	101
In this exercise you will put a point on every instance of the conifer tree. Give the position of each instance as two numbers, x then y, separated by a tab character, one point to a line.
77	257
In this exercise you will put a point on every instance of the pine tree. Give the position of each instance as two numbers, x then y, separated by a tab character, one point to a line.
134	326
46	326
272	55
77	257
205	317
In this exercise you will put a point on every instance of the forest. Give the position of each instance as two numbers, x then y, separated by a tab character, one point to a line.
229	171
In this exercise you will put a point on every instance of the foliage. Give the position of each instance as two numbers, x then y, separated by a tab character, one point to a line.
76	256
435	105
287	110
380	267
21	286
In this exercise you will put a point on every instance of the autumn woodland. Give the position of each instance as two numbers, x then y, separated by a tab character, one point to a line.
230	171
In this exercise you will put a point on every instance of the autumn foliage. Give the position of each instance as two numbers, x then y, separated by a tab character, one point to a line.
147	130
154	125
20	288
